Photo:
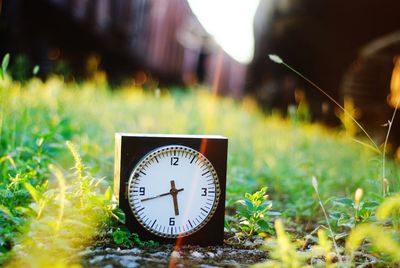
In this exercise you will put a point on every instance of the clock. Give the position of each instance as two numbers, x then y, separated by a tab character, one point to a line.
172	187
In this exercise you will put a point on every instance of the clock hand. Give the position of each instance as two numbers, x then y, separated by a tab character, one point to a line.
160	195
153	197
174	193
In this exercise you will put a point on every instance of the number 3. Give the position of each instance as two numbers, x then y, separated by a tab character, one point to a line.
204	192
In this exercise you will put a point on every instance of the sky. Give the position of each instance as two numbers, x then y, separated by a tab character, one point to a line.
230	22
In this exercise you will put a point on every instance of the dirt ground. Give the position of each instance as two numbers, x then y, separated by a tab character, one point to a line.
167	255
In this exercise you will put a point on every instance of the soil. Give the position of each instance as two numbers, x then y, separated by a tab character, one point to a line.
167	255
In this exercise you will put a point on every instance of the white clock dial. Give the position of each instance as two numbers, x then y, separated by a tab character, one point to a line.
173	191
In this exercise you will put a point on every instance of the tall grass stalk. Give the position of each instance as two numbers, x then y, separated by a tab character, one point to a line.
390	123
277	59
315	185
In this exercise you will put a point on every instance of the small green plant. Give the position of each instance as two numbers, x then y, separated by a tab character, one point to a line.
347	213
254	213
286	252
125	238
383	236
63	218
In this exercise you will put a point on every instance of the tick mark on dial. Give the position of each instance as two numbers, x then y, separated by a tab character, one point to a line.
139	210
205	173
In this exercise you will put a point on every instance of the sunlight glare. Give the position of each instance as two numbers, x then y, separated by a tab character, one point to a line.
230	22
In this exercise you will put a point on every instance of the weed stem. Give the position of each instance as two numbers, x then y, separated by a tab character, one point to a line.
315	185
278	60
385	145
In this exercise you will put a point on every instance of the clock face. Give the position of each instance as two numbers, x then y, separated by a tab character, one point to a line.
173	191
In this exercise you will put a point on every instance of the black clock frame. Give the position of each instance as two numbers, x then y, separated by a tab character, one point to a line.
131	148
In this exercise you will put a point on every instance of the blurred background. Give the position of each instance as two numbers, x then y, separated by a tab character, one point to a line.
349	48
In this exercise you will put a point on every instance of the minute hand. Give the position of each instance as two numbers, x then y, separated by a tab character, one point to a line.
161	195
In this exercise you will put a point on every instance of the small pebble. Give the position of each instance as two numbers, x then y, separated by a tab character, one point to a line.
196	254
258	242
161	254
210	254
248	244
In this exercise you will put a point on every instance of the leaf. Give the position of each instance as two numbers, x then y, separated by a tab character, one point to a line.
343	201
263	207
33	192
273	213
119	237
244	213
108	193
5	62
6	211
249	204
264	225
119	215
335	215
246	203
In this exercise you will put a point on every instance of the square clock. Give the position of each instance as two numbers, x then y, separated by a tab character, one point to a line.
172	187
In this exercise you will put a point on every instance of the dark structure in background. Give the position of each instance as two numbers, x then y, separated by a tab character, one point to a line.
134	38
324	39
369	81
346	47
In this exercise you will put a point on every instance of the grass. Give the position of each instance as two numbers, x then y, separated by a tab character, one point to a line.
38	118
